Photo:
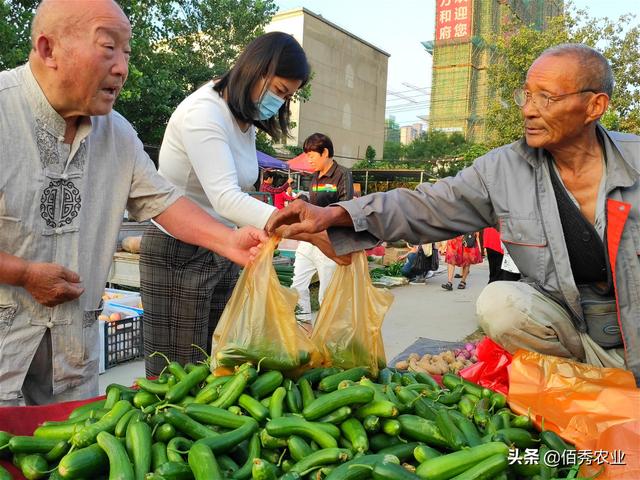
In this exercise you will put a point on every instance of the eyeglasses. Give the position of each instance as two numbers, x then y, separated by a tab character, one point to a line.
539	99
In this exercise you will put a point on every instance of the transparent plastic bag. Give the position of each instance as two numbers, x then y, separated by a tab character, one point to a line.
347	331
259	324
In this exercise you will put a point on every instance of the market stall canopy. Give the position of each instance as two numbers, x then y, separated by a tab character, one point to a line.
267	161
301	163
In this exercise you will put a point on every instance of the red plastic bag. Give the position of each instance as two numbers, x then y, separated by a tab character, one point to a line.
491	368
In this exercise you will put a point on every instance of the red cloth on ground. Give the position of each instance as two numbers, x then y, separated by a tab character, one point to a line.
376	251
491	239
461	256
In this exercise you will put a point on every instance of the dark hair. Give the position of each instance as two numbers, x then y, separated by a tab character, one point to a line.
596	73
317	142
270	55
268	174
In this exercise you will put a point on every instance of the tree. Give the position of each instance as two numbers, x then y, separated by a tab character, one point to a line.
392	151
517	48
176	47
370	154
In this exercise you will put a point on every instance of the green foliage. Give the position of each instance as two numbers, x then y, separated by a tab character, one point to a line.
15	31
392	150
264	144
522	44
176	47
370	154
295	150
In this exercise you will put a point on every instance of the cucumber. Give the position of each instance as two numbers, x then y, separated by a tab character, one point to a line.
203	463
56	432
174	471
332	401
330	383
86	462
355	433
56	453
422	453
150	386
192	379
212	391
391	427
266	384
306	391
144	399
244	472
422	430
188	425
326	456
298	447
253	407
336	417
383	409
294	397
404	451
263	470
360	467
5	475
210	415
486	469
450	431
448	466
287	426
88	434
519	437
4	443
121	426
164	433
119	465
226	441
232	389
23	444
391	471
86	408
34	467
158	455
177	447
276	407
371	423
380	441
140	441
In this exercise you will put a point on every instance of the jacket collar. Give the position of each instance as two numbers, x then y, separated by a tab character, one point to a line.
620	171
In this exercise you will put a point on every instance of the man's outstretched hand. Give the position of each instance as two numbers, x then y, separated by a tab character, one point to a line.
300	217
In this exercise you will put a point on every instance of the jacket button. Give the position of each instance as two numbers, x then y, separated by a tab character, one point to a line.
58	230
586	237
49	324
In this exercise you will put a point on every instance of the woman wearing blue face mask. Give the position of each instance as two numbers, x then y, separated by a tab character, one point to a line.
209	154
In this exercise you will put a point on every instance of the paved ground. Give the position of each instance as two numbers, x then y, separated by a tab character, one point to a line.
418	311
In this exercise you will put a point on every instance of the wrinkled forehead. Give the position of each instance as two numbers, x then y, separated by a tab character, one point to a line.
554	70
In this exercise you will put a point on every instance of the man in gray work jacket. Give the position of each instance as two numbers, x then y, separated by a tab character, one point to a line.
566	199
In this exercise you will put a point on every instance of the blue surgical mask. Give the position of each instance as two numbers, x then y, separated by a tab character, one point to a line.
269	105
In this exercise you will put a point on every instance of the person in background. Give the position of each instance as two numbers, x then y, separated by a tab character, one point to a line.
495	256
462	251
330	183
282	199
69	167
209	153
267	186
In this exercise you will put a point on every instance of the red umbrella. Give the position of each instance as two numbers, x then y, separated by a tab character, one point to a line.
301	163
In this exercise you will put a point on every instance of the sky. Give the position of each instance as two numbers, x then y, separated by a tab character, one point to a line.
398	28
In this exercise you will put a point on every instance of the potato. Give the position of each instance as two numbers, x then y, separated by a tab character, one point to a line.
115	317
413	356
448	356
402	365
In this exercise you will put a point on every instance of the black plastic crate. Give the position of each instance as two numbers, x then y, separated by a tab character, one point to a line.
122	341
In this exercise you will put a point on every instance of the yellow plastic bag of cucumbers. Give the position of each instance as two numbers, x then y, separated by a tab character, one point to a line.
347	331
259	324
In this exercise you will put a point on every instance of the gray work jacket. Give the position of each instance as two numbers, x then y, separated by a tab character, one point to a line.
511	187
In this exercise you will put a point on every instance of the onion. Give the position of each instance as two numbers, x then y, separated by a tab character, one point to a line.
460	358
469	347
473	358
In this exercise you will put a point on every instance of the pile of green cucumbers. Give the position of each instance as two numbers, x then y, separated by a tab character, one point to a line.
329	424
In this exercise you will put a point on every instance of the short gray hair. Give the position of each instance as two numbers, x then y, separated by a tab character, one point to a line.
597	74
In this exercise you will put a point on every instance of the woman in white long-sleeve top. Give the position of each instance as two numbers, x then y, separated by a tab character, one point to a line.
209	154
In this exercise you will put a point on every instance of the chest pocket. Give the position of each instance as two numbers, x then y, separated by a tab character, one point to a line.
526	243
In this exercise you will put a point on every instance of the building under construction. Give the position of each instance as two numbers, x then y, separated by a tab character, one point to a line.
462	53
